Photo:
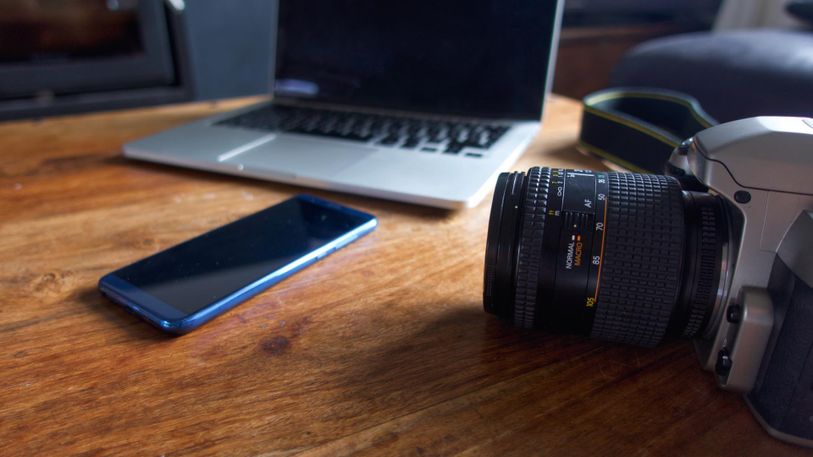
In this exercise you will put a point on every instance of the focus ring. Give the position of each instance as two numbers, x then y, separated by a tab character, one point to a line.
642	259
708	260
529	256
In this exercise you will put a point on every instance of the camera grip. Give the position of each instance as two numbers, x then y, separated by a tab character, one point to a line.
782	398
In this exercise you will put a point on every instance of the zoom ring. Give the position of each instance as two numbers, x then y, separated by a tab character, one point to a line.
643	254
530	250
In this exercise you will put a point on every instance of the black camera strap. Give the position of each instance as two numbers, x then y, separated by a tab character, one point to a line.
638	128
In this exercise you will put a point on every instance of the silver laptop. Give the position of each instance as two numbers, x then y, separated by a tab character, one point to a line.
422	102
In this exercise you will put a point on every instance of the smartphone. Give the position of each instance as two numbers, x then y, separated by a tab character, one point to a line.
187	285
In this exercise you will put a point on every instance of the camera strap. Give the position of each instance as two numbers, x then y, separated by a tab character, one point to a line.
638	128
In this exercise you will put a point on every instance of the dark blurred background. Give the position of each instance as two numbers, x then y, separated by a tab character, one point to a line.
60	56
597	33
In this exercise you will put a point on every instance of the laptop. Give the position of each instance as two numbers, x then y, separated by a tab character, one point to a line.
422	102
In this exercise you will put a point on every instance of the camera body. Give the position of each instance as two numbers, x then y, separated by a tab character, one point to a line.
759	340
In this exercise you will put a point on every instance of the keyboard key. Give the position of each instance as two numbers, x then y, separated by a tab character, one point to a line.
453	148
410	143
389	140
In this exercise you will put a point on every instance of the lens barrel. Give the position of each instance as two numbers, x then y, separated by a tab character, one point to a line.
623	257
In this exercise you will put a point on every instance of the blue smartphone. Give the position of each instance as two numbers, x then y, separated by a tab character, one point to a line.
187	285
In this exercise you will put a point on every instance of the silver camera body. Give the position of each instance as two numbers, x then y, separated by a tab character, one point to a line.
760	337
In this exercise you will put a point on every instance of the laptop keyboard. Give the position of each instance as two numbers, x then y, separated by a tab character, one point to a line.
426	135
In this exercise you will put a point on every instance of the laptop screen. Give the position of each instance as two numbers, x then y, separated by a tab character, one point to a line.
487	58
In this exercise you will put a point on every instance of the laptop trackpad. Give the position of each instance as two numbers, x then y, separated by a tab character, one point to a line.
301	156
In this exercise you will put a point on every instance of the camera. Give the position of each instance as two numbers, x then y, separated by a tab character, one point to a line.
719	249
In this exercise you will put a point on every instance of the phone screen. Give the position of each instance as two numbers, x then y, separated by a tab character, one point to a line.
213	266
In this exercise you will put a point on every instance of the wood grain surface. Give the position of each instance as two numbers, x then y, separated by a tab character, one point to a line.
381	349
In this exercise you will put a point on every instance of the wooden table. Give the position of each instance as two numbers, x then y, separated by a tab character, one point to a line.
383	348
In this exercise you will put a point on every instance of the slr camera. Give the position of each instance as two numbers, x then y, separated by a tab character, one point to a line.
720	249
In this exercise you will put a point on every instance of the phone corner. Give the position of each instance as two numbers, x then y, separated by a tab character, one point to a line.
178	327
103	281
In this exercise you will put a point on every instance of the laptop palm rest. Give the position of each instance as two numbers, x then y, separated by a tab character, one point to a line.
300	156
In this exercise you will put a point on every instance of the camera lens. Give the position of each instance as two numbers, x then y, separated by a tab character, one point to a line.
623	257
